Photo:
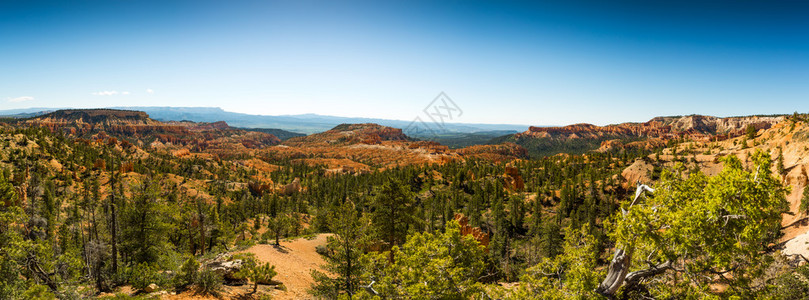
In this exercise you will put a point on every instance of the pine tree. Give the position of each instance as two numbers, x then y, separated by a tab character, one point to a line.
551	239
445	265
261	273
535	221
751	132
516	214
144	224
805	200
779	166
393	213
344	255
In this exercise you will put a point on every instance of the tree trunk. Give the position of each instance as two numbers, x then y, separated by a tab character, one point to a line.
201	236
619	267
114	228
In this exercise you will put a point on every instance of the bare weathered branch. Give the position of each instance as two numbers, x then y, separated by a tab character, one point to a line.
728	217
636	276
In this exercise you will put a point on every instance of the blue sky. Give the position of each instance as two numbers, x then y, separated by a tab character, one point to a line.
536	63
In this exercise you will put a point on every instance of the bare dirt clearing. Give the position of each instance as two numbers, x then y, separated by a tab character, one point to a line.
293	261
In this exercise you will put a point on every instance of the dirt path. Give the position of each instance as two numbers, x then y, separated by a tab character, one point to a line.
293	261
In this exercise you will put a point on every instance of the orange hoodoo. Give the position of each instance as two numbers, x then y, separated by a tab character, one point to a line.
514	179
475	232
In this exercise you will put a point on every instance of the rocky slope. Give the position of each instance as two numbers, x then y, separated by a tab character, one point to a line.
350	134
179	138
361	147
84	121
789	137
579	138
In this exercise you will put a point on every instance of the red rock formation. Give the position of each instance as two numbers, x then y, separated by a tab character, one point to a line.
514	179
475	232
350	134
291	188
258	188
696	127
217	138
181	153
430	146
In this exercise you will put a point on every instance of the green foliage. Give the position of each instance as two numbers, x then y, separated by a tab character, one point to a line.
145	226
792	285
143	274
260	273
189	271
550	239
444	266
805	200
11	242
570	275
750	132
706	226
779	167
38	292
209	283
393	212
343	259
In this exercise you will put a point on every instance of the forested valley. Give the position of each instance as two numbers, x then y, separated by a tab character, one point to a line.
84	217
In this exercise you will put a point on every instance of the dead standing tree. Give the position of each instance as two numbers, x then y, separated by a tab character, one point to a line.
618	272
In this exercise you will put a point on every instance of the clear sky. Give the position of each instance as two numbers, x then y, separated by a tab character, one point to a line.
537	63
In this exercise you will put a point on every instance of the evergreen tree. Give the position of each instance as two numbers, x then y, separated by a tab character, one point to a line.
144	224
11	256
343	258
430	266
779	166
804	207
260	273
751	132
393	213
516	213
551	239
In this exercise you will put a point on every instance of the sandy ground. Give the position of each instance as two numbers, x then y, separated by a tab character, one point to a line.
293	261
798	245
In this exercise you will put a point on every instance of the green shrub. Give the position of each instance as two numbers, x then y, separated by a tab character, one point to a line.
38	292
322	250
189	272
142	275
209	283
265	297
260	273
791	285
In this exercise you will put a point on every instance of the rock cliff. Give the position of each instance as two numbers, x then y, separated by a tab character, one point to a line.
179	138
580	138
